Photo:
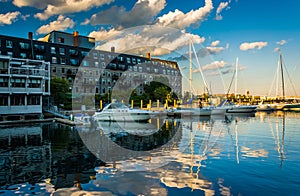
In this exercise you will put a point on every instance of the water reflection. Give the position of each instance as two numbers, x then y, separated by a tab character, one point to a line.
206	156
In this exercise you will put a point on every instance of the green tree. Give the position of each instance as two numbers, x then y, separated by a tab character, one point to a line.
60	91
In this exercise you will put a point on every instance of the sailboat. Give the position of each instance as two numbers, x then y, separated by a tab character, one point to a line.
227	107
281	105
191	111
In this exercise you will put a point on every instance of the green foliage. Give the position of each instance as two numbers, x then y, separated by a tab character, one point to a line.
60	91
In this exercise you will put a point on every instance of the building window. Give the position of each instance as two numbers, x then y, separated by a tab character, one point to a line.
84	53
113	66
62	51
85	63
3	100
17	100
53	50
73	52
135	68
133	60
63	60
128	60
62	70
122	67
9	44
121	59
54	59
18	82
54	69
140	69
3	82
96	64
24	46
102	56
23	55
39	57
139	61
95	54
61	40
103	65
10	54
74	62
33	100
39	48
34	83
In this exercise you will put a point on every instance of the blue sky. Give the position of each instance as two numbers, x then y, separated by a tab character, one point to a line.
221	30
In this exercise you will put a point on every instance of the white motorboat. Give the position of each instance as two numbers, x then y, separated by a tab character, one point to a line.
227	106
242	109
83	119
205	111
270	106
120	112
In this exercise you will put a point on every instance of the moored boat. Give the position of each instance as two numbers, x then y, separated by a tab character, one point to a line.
227	106
120	112
292	107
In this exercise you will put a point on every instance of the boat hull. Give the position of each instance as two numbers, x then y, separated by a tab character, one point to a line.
122	116
192	112
292	107
242	109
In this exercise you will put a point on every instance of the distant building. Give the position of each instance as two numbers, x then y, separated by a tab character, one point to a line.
66	52
23	83
68	39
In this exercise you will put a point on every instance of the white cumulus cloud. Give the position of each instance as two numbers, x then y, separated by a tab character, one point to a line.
104	34
178	19
221	7
157	40
211	66
252	45
8	18
215	43
142	13
70	6
60	24
37	3
281	42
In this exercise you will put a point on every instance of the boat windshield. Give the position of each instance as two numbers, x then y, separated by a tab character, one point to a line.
225	103
116	106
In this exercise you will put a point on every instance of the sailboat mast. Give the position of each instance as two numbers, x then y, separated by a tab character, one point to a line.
282	77
236	76
191	67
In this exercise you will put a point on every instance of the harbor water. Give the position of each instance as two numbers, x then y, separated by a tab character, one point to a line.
255	154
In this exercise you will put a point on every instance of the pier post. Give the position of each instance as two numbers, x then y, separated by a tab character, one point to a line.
131	103
157	104
175	103
150	104
101	105
141	104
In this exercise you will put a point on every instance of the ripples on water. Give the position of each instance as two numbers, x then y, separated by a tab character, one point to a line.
237	155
